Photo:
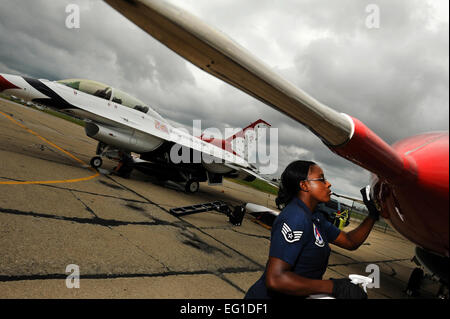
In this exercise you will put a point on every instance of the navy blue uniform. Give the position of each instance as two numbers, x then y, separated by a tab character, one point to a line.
299	238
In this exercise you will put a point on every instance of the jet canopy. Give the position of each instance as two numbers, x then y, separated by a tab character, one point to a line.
109	93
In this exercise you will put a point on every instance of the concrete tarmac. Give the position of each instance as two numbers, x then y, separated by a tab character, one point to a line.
55	212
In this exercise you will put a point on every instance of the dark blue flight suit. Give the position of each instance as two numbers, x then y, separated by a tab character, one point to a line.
301	239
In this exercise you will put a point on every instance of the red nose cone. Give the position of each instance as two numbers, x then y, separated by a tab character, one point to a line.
6	85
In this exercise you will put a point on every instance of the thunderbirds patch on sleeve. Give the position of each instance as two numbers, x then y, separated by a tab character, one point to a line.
289	235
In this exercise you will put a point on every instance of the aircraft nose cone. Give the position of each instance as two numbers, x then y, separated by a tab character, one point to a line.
6	85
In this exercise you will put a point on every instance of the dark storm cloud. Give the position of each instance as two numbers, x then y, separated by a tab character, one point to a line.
394	79
400	78
107	47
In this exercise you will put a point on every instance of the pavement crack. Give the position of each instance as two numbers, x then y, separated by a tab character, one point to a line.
251	235
109	185
228	281
261	267
79	191
142	250
11	278
122	235
340	254
93	221
369	262
85	206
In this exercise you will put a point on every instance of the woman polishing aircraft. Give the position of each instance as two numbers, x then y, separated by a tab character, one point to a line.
299	249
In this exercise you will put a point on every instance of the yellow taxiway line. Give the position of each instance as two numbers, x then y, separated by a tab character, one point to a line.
58	148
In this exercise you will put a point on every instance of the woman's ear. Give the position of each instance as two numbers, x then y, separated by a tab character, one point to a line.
304	186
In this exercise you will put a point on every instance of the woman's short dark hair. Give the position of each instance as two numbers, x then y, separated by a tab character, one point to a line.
290	181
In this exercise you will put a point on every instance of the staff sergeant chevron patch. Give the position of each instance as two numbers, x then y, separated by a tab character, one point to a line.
289	235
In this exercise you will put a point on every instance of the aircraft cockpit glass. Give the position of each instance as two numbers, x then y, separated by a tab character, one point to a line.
126	99
116	100
72	84
89	87
111	94
104	94
143	109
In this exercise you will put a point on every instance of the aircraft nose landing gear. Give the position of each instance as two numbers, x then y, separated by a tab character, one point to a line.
96	162
192	186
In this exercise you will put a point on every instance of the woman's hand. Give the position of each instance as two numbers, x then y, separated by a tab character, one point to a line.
344	289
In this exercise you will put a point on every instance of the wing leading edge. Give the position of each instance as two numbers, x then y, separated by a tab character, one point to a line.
217	54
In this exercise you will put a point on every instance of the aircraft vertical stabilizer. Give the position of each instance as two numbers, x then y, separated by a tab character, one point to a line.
240	141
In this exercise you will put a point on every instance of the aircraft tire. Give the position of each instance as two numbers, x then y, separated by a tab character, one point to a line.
96	162
414	282
192	186
125	171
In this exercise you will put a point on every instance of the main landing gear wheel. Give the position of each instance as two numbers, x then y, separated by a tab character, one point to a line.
192	187
96	162
124	171
414	283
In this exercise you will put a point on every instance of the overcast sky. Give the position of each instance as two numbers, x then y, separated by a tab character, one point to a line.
393	78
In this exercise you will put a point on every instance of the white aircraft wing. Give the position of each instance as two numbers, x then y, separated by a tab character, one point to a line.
358	200
124	118
217	54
